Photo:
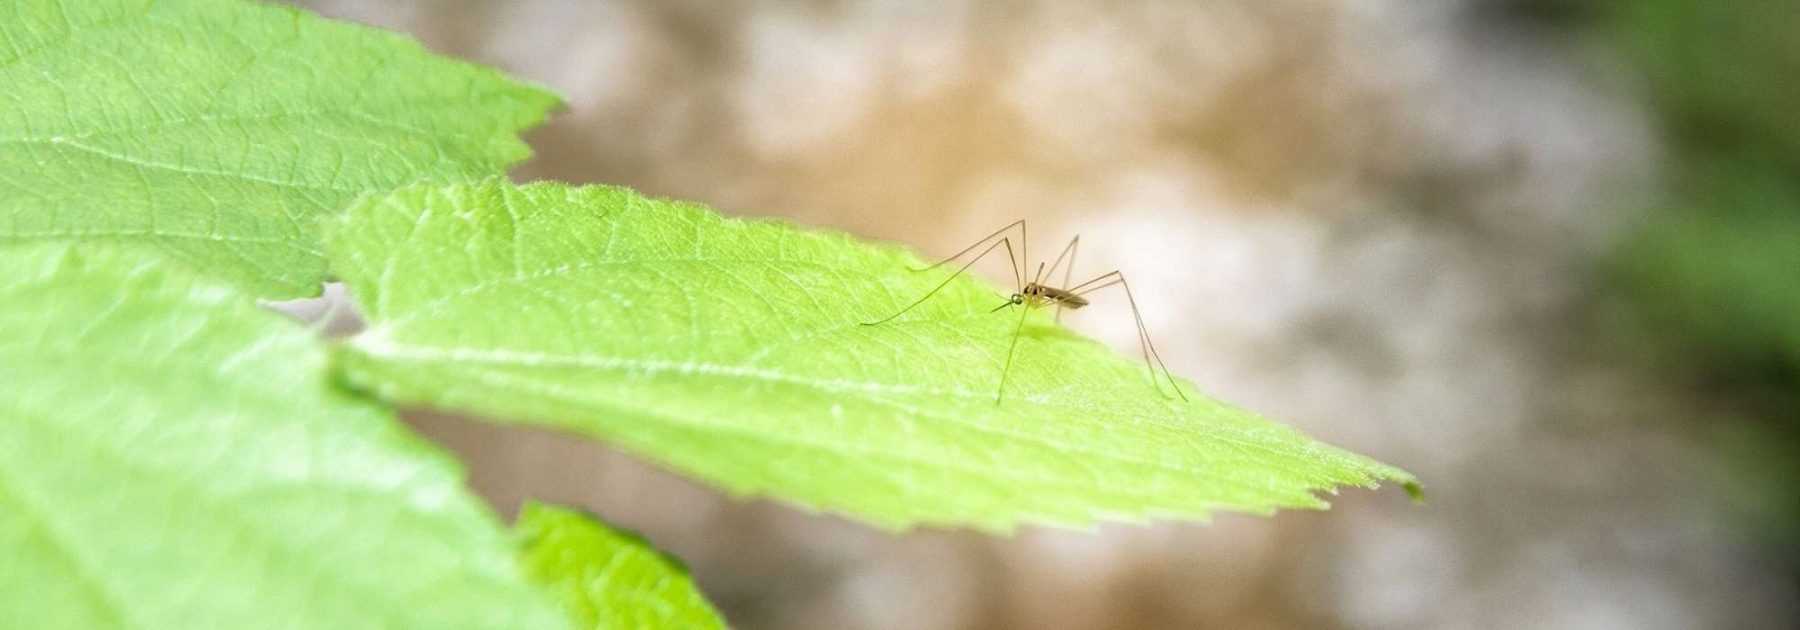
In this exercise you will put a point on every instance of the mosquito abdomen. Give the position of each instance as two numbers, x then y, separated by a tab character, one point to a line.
1068	299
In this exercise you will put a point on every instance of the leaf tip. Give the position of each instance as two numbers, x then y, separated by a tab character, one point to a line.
1414	491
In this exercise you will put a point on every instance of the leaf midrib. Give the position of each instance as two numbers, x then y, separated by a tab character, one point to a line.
378	341
471	358
354	111
434	305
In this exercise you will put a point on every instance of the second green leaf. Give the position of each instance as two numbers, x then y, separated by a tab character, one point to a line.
732	350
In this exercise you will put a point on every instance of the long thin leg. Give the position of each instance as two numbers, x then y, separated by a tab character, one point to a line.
1004	241
1068	272
1001	392
1068	251
1017	263
1110	279
1145	344
1088	286
1143	336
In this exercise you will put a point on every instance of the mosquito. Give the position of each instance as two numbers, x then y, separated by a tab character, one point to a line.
1035	294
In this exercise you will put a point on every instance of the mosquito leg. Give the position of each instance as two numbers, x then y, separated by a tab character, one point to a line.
1020	224
1111	279
1018	274
1001	392
1016	262
1108	280
1069	272
1149	347
1095	283
1069	252
946	282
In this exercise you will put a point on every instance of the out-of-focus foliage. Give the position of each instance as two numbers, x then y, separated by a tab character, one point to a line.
1721	262
1716	270
1718	73
1721	259
734	351
173	456
608	579
217	131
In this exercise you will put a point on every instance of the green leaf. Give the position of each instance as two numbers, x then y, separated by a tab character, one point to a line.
607	579
731	350
172	456
217	131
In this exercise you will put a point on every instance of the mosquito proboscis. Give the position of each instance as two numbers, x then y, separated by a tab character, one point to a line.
1035	293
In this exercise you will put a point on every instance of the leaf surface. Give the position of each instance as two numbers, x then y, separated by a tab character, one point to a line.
732	350
172	457
608	579
217	130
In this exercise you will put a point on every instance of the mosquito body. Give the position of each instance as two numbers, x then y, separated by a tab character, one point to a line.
1040	295
1034	293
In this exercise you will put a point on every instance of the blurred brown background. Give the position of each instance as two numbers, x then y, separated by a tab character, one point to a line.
1416	230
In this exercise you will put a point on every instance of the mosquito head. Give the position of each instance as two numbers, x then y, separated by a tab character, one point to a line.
1015	300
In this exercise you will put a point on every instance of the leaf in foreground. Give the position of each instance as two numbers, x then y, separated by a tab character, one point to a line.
731	350
173	457
218	130
607	579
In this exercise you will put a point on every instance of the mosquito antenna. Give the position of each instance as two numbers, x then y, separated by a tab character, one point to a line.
946	281
1001	393
1148	346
